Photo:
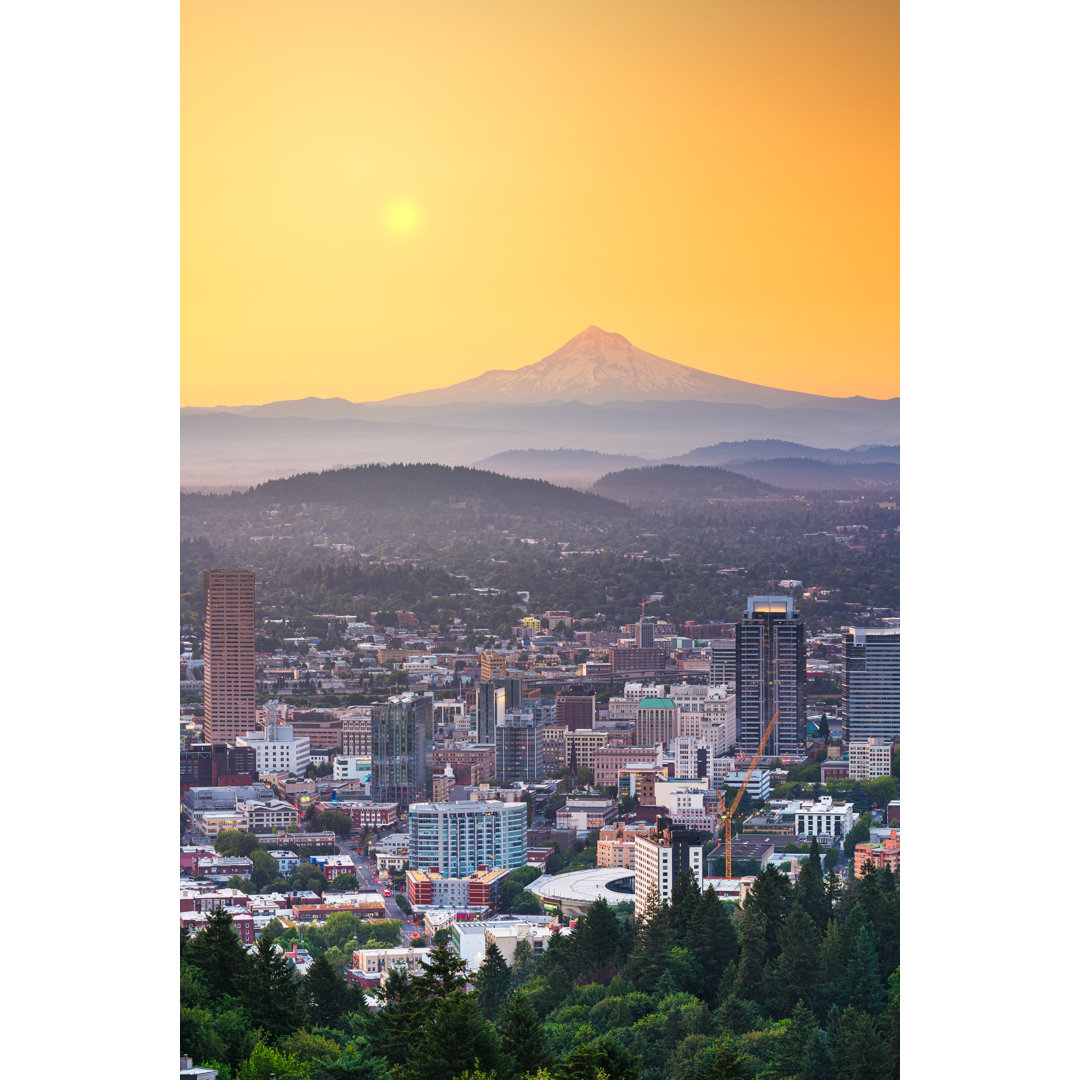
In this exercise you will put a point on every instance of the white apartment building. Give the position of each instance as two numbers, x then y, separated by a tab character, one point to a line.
276	751
718	720
758	788
685	751
374	962
658	861
267	815
824	817
869	759
693	809
352	767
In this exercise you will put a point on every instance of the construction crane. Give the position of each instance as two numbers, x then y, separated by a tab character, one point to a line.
725	815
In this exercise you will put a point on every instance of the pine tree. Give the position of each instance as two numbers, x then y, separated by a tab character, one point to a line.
810	888
753	953
685	896
833	968
724	1062
817	1062
652	946
862	981
270	992
492	982
599	941
455	1039
524	1044
443	973
795	1040
325	993
857	1047
606	1054
712	941
798	968
217	952
770	896
524	963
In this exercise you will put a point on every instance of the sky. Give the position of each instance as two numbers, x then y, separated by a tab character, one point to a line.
379	198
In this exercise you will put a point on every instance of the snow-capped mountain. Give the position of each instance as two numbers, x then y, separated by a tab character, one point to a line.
597	366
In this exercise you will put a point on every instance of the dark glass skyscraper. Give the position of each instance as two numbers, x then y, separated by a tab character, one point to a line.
402	732
770	672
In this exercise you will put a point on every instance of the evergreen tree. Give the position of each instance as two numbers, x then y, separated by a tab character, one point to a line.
217	952
599	940
455	1039
857	1048
737	1015
834	889
810	888
270	992
685	896
833	968
798	968
723	1062
817	1062
524	963
523	1042
492	982
393	1032
605	1054
712	941
652	948
862	981
795	1040
770	896
443	973
753	953
325	993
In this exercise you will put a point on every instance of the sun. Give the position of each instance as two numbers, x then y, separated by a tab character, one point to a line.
402	217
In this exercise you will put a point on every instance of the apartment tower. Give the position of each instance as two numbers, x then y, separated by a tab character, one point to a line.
770	673
228	654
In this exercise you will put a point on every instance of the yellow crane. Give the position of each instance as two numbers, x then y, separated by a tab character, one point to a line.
724	816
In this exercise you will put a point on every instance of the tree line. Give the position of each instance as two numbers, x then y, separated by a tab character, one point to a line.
799	983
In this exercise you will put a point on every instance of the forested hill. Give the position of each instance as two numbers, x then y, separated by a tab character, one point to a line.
665	484
413	487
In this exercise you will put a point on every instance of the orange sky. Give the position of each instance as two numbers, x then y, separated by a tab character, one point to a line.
378	198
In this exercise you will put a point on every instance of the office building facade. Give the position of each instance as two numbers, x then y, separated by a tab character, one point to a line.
871	688
770	674
229	654
518	747
402	734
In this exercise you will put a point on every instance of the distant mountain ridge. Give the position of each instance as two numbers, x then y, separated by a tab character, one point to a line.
597	392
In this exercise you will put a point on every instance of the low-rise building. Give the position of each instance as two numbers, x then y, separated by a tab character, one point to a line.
333	866
869	759
615	845
476	894
826	816
585	814
267	815
506	937
372	965
879	853
288	862
222	867
366	815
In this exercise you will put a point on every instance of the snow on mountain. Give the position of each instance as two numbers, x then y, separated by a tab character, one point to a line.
598	366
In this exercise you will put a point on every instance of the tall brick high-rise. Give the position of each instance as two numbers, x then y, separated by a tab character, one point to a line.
228	654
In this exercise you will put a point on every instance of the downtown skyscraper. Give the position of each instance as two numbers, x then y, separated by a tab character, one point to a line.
228	654
871	689
402	744
770	673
